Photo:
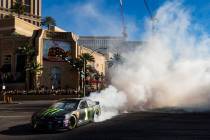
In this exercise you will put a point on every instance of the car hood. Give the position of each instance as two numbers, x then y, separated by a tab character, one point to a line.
52	112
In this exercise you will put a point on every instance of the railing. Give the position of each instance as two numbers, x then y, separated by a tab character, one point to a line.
24	16
41	92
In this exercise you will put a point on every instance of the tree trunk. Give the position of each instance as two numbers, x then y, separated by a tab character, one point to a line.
27	75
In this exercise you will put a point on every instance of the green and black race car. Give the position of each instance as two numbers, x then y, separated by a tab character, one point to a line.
66	114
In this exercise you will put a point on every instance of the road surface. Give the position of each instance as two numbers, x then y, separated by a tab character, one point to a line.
147	125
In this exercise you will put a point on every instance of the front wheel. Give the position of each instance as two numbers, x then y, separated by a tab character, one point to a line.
72	122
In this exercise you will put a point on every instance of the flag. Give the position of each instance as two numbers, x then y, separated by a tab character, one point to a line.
121	2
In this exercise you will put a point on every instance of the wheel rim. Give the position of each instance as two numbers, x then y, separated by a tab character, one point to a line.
35	125
73	122
96	115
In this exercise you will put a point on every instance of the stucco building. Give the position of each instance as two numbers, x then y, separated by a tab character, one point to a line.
48	45
33	10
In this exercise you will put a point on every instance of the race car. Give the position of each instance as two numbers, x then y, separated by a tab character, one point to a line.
66	114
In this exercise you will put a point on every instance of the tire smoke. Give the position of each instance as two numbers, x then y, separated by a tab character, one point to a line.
171	70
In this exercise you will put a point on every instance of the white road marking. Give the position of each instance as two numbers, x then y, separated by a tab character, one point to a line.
19	108
13	116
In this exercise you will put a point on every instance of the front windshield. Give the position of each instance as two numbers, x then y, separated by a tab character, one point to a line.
65	105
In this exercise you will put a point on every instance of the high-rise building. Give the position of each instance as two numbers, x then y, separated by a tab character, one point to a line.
102	44
32	10
108	45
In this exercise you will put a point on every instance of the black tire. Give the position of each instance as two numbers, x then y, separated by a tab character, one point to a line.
72	122
96	115
34	125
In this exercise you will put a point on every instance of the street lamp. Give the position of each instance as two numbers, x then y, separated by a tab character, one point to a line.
3	87
53	87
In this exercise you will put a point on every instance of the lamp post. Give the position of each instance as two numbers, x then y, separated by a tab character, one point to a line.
53	87
3	87
84	78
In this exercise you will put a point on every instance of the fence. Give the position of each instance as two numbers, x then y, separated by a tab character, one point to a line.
9	96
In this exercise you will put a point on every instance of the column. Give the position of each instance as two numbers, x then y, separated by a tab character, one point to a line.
32	7
9	4
40	7
35	6
4	3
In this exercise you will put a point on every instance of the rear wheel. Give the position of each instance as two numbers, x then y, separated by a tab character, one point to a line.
72	122
96	115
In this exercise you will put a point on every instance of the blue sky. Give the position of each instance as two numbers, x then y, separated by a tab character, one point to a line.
102	17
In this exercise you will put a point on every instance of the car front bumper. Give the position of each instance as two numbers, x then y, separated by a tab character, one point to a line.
49	124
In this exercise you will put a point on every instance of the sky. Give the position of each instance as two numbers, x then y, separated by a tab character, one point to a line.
103	18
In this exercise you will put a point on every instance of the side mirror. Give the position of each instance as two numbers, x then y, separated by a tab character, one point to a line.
97	102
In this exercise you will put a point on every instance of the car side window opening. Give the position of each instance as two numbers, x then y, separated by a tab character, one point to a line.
65	105
83	105
90	103
70	106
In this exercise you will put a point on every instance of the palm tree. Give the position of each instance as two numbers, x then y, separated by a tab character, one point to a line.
116	60
34	69
87	57
48	21
18	8
29	52
26	49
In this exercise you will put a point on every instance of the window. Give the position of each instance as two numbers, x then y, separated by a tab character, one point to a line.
83	105
7	59
34	8
38	6
28	5
7	4
56	77
90	103
20	63
7	62
66	105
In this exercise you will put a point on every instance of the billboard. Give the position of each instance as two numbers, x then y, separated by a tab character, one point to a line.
54	49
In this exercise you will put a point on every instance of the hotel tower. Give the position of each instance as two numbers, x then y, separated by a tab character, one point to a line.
31	15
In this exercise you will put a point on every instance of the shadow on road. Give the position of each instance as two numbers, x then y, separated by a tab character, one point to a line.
25	129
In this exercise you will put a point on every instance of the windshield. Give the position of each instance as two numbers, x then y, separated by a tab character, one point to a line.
65	105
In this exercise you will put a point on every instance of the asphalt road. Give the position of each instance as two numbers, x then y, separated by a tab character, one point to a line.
150	125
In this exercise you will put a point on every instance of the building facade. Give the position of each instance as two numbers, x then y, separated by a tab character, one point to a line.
32	14
102	44
48	45
14	32
109	45
56	73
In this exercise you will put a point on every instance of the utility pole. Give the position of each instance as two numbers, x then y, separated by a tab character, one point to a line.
151	15
84	78
124	28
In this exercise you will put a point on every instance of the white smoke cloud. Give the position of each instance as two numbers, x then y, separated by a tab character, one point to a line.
171	70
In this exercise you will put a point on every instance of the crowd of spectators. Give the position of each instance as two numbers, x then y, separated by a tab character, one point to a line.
41	92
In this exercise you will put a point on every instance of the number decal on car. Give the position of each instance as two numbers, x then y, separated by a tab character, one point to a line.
86	114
